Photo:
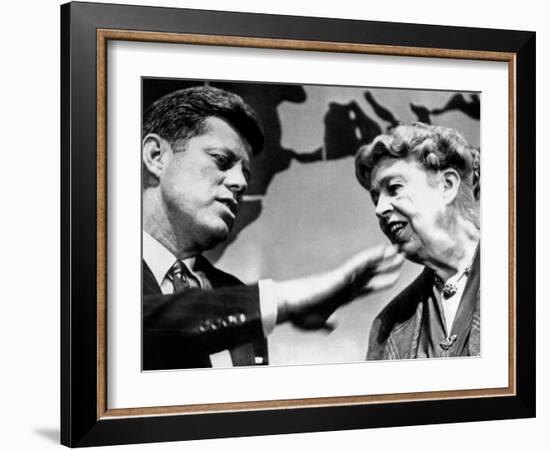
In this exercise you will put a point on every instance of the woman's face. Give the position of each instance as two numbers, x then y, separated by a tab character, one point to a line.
410	206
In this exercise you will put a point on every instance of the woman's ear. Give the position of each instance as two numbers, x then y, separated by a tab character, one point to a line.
451	183
154	152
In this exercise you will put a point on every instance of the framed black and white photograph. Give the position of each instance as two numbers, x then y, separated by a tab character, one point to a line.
300	225
288	224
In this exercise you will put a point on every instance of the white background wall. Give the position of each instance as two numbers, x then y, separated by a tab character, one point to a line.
29	233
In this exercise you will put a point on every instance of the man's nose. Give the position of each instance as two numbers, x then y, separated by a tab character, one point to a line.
235	179
383	206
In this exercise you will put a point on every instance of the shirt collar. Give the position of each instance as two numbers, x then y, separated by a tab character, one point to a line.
159	258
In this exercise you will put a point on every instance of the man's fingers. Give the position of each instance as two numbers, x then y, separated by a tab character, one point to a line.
381	281
373	269
357	272
388	265
370	258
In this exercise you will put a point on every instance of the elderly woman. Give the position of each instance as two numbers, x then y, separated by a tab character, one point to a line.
424	182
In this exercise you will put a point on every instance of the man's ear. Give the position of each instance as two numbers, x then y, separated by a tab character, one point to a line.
154	153
451	183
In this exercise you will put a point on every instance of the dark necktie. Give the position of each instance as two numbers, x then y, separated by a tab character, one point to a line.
181	277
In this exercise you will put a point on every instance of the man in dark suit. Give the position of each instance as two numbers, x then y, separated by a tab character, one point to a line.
197	145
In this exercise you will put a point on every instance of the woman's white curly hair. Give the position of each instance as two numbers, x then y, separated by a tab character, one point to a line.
435	148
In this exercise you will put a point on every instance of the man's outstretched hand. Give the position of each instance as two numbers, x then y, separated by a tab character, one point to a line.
309	302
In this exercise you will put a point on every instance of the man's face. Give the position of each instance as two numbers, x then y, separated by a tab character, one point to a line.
202	185
409	204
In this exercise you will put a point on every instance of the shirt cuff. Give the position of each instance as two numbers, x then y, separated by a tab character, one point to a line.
268	305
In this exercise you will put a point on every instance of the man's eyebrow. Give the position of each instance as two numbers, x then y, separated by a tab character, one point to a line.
228	150
220	147
234	156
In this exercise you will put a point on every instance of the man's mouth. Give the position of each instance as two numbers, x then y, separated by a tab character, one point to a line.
230	203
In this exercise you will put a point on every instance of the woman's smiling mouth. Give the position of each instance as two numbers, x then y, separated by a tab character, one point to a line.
395	228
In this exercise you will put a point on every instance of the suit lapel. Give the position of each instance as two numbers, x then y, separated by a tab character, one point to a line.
149	284
209	275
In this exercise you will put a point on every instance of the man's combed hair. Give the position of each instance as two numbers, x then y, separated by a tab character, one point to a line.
180	115
436	148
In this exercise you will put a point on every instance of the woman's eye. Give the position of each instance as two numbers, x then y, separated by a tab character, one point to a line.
394	189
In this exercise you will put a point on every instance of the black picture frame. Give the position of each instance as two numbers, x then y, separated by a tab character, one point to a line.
83	422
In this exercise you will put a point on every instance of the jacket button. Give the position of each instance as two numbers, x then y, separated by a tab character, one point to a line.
232	319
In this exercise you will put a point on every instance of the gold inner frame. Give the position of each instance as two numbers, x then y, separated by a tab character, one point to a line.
104	35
